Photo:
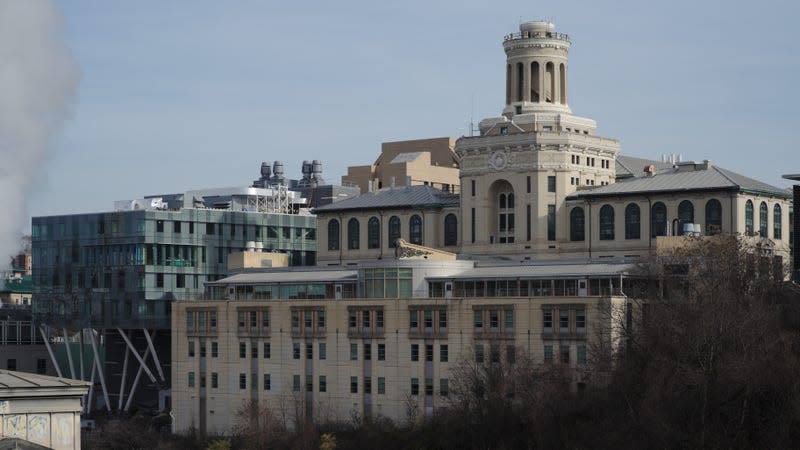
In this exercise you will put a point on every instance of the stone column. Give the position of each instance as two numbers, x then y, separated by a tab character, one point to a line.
526	85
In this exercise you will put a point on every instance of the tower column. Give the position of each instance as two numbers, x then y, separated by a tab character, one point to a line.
514	83
542	83
557	83
526	85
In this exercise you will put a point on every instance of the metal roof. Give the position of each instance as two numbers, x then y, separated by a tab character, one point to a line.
570	270
631	166
679	179
289	276
391	198
23	380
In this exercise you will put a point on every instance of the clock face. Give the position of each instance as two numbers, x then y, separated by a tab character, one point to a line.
498	160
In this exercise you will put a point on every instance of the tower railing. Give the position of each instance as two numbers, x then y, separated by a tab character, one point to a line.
537	35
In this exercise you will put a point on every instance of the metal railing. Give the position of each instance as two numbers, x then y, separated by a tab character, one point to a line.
537	35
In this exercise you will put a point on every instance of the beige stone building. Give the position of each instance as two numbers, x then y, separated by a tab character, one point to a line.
379	338
430	162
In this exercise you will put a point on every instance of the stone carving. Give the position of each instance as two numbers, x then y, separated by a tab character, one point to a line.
498	160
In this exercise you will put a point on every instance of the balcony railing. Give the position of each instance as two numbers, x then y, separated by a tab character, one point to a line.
537	35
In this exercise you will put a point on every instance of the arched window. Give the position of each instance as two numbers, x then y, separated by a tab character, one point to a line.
510	200
373	233
658	220
353	233
748	217
576	224
606	223
685	215
763	214
633	225
450	230
394	231
777	232
333	234
713	217
415	230
501	202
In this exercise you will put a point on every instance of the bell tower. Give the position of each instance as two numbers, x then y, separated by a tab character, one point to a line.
536	69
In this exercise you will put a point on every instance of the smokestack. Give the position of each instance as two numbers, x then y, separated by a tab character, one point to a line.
37	83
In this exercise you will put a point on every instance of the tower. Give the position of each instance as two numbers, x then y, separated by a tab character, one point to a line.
516	175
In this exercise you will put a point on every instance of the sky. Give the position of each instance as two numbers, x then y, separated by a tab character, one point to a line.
178	95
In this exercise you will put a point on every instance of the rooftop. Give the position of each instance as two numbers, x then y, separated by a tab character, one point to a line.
13	384
399	197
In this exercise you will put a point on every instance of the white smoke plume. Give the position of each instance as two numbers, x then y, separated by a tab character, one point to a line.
38	77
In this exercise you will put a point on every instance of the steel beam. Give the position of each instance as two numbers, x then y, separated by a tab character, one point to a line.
136	354
69	353
100	370
155	355
124	377
50	351
136	379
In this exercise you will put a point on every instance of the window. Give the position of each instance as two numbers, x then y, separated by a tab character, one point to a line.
551	222
413	319
429	352
633	228
176	226
494	319
763	214
296	383
267	382
450	230
209	228
444	387
323	351
295	350
254	350
442	319
528	184
580	320
564	350
353	234
528	222
309	350
242	381
214	380
394	231
508	320
658	220
428	386
242	350
191	349
748	217
607	223
159	280
381	385
576	224
685	215
713	217
479	357
563	320
309	383
267	350
547	320
202	379
548	352
415	352
581	354
551	183
353	352
367	385
191	378
415	230
354	385
503	130
159	226
373	233
381	352
367	352
323	383
776	222
41	366
472	184
415	386
333	234
427	316
443	353
215	349
472	225
478	321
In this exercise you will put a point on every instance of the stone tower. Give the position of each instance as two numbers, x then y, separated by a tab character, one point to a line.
516	174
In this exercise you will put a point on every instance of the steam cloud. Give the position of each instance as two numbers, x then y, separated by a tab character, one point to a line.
38	78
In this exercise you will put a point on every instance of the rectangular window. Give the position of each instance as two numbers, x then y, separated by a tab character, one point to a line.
354	385
296	383
551	183
242	381
581	354
478	320
479	357
209	228
472	225
309	383
191	379
547	320
191	349
413	320
528	222
267	350
415	352
379	319
508	322
494	319
323	351
428	319
381	385
353	352
381	352
214	380
564	349
254	350
367	385
551	222
202	349
472	184
580	320
321	320
444	387
528	184
352	320
267	382
428	386
191	227
442	319
548	352
295	350
160	226
215	349
367	352
563	320
443	353
159	280
309	350
429	352
415	386
242	350
323	383
202	379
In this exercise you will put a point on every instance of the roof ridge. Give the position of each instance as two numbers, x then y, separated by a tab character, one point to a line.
722	172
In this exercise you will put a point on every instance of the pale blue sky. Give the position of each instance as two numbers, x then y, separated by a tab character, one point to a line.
184	95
